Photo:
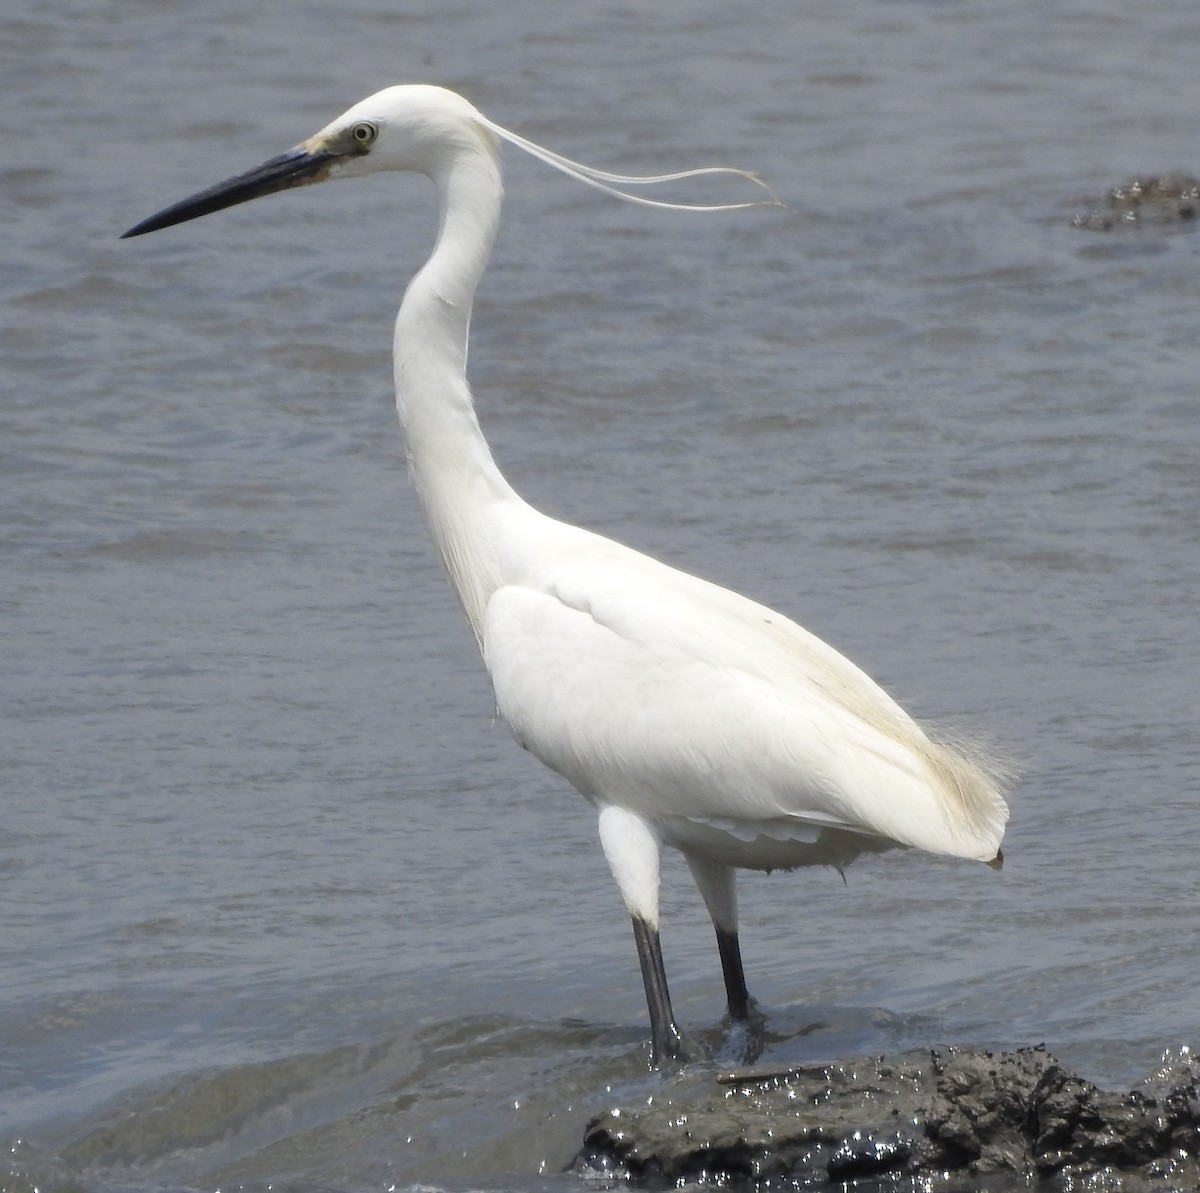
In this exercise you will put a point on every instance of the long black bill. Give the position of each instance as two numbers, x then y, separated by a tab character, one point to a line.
297	167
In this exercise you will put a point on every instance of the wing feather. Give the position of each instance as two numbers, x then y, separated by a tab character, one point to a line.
644	685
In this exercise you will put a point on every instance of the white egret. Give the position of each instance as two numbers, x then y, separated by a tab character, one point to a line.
686	714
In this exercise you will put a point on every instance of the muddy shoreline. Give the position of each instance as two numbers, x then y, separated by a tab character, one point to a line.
958	1115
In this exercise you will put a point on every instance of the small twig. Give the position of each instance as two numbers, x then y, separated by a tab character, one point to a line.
761	1078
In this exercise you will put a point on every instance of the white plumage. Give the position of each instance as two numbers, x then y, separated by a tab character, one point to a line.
688	715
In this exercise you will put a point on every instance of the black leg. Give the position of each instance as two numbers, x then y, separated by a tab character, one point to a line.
735	979
667	1040
717	885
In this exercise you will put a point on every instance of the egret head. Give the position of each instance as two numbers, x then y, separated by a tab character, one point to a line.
421	128
414	127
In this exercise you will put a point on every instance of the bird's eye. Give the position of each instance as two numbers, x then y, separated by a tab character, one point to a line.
363	133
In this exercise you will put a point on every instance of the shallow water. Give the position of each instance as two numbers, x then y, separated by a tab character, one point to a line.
282	905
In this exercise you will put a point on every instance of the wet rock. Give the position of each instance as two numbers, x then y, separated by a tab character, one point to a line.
1161	199
907	1119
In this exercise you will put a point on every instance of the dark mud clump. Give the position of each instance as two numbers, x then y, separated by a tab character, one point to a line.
1162	199
908	1119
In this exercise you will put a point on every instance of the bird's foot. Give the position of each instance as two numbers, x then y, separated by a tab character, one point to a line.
672	1049
745	1034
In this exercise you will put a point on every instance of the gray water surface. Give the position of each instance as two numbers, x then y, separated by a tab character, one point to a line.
280	903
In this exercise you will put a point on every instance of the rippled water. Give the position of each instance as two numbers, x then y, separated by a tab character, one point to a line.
281	904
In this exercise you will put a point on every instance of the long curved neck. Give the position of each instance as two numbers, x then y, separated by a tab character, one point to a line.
460	487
